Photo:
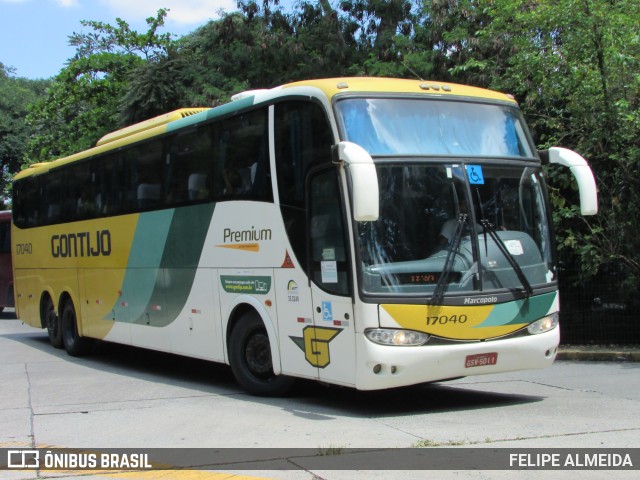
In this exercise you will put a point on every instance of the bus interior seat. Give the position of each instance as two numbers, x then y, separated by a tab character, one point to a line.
148	194
197	186
53	212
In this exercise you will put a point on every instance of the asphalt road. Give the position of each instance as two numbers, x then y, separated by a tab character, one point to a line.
123	397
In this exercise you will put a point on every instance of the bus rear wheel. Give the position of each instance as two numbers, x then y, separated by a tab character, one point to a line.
250	358
51	321
74	344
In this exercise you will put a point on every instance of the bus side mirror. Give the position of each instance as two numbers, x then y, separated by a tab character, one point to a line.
364	181
582	173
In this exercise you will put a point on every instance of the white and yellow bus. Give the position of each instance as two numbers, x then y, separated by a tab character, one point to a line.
364	232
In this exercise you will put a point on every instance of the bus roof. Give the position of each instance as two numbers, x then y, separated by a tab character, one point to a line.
335	86
331	87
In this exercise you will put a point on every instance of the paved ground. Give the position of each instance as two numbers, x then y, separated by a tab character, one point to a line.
131	398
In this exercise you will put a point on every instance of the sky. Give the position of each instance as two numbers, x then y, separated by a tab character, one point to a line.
34	33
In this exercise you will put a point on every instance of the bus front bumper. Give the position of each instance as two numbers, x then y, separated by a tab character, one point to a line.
381	366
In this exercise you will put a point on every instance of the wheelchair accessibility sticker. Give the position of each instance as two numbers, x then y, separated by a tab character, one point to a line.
474	174
327	311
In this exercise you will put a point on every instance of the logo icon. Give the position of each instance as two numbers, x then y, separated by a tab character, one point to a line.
292	292
474	173
315	344
23	459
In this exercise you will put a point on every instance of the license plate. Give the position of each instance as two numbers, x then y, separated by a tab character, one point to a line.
481	360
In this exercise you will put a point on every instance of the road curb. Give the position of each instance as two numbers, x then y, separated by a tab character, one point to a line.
598	354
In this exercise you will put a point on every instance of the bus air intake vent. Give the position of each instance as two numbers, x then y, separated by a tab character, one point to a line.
148	124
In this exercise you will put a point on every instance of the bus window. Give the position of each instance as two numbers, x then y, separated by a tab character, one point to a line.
189	177
244	156
147	161
303	140
326	229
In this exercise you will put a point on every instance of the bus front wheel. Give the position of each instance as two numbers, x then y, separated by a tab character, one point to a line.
74	344
51	321
250	358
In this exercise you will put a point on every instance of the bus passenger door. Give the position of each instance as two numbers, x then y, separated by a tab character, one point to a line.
295	320
333	340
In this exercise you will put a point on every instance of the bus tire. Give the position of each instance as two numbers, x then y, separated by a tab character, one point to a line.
74	344
51	321
250	358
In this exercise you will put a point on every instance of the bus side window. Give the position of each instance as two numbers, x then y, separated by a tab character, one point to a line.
327	235
54	189
148	161
189	167
244	157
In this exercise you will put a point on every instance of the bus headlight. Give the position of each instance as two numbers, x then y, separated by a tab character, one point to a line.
389	336
544	324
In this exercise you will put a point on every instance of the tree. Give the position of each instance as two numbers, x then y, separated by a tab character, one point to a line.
262	46
16	94
573	66
106	38
81	105
155	87
85	99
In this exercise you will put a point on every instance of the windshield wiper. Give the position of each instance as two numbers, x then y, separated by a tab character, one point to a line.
488	228
441	286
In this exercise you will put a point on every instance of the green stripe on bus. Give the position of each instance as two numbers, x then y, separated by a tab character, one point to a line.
183	248
210	114
143	265
520	311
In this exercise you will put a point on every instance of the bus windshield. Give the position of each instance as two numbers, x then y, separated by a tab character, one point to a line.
459	228
408	126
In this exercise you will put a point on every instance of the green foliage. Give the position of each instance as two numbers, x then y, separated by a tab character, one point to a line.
573	66
86	98
262	46
106	38
16	94
80	106
154	87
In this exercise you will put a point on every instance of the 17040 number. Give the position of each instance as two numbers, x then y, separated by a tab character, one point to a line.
445	319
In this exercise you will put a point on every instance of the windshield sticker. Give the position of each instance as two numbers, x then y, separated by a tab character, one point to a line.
329	271
514	247
474	173
328	254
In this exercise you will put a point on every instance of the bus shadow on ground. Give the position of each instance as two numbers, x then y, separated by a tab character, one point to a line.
417	399
308	399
